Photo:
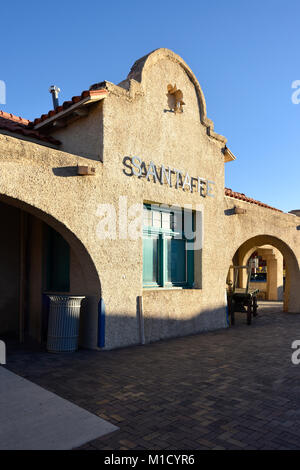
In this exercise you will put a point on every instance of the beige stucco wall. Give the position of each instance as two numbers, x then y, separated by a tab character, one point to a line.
259	227
84	135
145	127
137	121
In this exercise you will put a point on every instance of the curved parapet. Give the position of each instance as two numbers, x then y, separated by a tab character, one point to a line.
142	65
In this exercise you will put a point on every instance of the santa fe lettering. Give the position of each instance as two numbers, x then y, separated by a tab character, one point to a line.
172	177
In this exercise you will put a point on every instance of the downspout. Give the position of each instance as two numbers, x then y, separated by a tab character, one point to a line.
140	313
227	309
101	324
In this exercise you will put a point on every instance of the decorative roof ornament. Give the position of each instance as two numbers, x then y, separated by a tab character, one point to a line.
178	98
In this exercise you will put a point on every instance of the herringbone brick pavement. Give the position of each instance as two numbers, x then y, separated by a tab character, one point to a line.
227	389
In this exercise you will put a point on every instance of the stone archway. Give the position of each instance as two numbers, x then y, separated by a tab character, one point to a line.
242	254
28	277
271	288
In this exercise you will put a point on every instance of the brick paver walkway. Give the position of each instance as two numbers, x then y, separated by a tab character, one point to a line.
228	389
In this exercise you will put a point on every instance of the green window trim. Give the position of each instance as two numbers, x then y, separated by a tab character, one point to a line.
167	261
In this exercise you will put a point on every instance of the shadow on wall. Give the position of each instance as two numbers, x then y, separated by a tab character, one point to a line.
65	171
123	330
229	211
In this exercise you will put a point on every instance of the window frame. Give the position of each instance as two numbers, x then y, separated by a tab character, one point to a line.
163	234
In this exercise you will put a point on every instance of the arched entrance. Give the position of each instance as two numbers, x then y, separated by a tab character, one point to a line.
242	254
267	272
38	254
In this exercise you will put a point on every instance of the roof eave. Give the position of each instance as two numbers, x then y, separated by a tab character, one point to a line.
228	155
92	97
36	140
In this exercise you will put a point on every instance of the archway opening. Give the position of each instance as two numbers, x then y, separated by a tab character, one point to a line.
40	255
268	273
274	271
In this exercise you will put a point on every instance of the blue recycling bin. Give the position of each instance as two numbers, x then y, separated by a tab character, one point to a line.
63	323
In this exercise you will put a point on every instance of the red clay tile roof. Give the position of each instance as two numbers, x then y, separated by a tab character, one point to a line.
243	197
18	125
14	118
68	104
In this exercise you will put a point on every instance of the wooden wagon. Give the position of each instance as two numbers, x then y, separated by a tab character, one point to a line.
241	299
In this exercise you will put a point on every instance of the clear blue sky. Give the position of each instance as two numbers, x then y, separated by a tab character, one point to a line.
245	55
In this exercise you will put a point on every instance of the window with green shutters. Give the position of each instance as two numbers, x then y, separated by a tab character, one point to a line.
167	261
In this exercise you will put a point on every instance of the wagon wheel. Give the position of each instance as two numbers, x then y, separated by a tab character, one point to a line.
255	306
249	313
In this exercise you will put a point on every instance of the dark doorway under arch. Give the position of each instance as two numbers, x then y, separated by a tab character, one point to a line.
38	255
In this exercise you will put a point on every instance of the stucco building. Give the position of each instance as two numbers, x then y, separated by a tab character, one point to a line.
72	186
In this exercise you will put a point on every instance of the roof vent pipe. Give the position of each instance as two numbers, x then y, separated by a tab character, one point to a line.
54	90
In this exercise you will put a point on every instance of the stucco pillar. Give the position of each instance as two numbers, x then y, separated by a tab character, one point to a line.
271	278
274	272
279	258
230	276
242	279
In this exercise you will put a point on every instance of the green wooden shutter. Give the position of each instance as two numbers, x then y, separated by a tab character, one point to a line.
58	262
150	259
176	264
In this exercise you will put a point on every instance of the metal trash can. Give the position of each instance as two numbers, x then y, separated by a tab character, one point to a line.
63	324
